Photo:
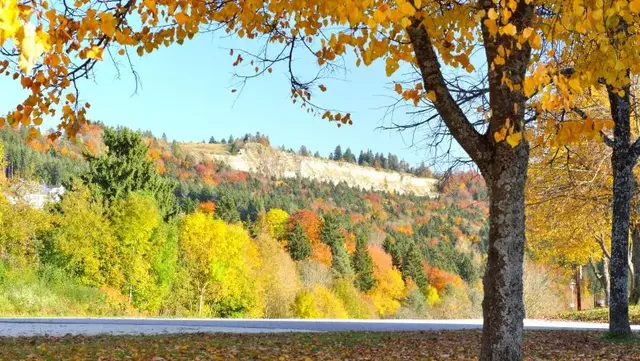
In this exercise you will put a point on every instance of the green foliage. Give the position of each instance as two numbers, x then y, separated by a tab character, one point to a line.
82	242
226	209
363	264
20	227
331	235
135	220
50	291
23	161
125	169
298	244
412	267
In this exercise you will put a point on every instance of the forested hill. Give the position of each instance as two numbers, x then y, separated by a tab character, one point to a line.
394	255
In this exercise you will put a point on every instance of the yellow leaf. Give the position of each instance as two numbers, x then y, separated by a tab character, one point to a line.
431	95
121	51
492	14
107	24
491	26
500	135
574	83
514	139
609	124
182	18
498	60
405	22
509	29
407	9
95	53
634	6
417	3
526	33
536	41
71	97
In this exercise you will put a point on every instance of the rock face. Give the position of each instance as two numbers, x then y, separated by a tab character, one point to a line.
258	159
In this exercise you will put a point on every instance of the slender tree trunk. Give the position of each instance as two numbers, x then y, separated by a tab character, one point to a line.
200	303
635	260
579	288
503	307
622	164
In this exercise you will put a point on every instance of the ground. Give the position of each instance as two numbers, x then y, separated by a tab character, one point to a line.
428	345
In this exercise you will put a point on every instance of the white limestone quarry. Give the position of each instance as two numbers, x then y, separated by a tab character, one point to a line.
258	159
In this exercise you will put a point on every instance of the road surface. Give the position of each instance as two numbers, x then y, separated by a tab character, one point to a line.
132	326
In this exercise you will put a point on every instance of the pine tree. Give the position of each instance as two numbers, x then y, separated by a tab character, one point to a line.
330	234
298	243
125	169
363	264
337	154
348	156
412	267
212	140
226	209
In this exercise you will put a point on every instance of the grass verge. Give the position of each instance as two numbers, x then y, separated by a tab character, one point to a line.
599	315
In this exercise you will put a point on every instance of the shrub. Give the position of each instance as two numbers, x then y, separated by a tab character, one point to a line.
352	300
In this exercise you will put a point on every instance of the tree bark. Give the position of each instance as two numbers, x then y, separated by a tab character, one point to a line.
503	167
503	306
635	260
607	280
622	164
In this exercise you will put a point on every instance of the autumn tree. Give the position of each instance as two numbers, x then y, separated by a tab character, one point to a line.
134	220
82	242
279	276
222	261
277	222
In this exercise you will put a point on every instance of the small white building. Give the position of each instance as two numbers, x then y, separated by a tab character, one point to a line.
34	194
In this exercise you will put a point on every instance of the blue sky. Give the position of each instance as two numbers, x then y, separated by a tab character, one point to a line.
186	93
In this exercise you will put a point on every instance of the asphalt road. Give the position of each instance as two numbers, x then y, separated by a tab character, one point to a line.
132	326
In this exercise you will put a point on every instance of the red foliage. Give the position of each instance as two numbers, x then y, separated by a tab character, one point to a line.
381	259
312	223
439	278
207	207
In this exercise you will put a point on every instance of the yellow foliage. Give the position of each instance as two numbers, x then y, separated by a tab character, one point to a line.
328	305
277	223
305	306
431	295
223	262
388	292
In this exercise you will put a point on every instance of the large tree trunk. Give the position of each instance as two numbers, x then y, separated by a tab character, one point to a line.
622	164
503	307
635	260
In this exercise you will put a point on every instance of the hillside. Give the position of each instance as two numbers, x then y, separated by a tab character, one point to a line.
265	161
325	230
